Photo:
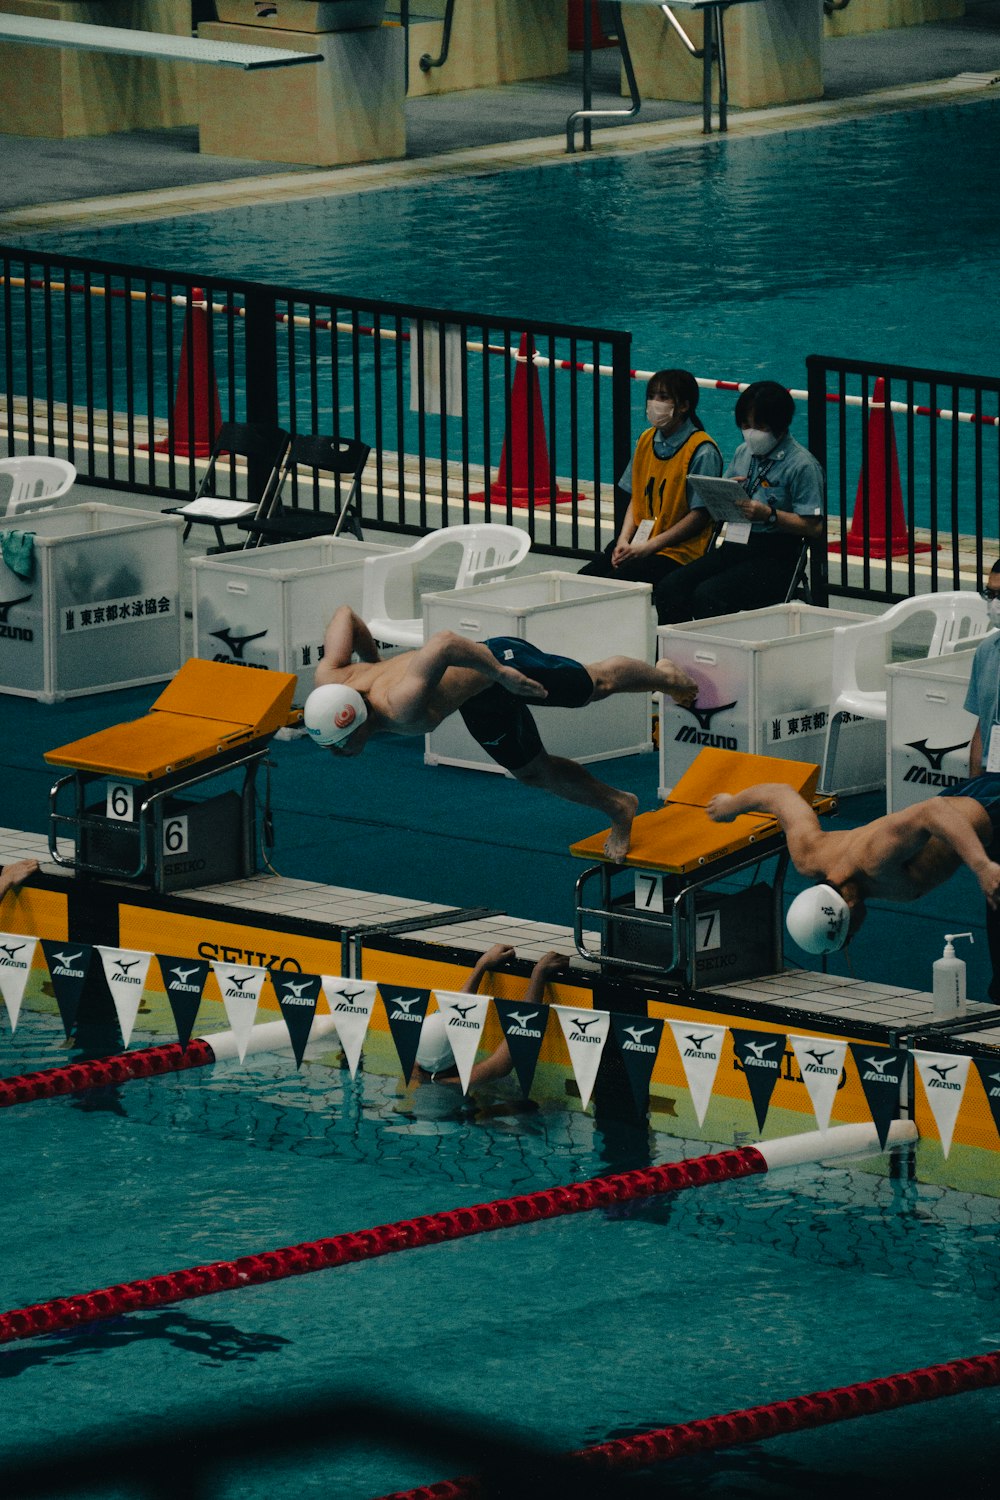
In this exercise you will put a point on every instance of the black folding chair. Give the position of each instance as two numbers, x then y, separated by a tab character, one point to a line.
289	515
264	448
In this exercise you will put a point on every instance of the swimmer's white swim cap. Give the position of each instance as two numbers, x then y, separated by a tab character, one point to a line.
434	1053
819	919
333	712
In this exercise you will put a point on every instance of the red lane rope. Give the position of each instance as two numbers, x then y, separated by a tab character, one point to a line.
366	1244
817	1409
146	1062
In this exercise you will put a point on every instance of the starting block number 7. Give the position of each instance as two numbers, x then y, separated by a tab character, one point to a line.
649	897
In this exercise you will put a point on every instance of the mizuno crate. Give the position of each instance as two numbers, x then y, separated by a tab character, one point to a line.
928	731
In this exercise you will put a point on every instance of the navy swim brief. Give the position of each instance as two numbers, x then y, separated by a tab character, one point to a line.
983	789
503	724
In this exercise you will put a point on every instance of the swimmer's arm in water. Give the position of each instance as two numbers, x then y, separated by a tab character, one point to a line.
346	635
409	697
500	1063
801	825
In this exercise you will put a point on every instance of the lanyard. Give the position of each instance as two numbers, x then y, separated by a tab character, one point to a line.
758	472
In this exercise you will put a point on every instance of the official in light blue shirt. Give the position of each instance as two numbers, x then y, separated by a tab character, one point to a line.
786	507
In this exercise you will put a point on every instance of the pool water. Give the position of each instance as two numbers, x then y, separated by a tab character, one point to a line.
873	239
570	1332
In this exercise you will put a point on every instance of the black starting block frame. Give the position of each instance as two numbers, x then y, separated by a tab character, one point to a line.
137	850
665	945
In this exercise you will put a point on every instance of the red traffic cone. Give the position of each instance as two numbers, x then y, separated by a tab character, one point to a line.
197	388
514	453
870	523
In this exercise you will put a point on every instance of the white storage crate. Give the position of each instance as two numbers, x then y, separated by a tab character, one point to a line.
102	608
585	618
928	731
764	684
270	606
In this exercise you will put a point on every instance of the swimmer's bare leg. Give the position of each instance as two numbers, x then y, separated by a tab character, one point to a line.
564	778
626	674
14	875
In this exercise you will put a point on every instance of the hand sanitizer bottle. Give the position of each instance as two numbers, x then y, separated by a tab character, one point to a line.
949	980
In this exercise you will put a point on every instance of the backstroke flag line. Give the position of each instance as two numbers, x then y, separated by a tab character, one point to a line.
700	1047
240	985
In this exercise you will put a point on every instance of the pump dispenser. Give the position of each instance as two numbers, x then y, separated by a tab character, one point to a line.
949	980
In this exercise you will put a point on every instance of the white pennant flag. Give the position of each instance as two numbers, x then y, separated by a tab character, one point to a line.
125	969
240	985
700	1047
821	1062
586	1032
943	1075
17	953
464	1019
350	1002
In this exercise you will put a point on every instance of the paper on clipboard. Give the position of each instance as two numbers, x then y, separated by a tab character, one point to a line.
720	497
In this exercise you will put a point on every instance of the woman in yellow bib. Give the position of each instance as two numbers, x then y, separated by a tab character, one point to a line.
660	532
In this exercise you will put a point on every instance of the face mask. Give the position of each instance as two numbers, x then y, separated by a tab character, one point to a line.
993	613
758	441
659	413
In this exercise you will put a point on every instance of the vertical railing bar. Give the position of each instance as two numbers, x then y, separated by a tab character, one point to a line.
49	362
69	357
29	360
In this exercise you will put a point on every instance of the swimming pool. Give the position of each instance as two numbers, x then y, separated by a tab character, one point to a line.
572	1331
736	258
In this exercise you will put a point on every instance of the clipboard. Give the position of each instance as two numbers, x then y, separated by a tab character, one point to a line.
719	496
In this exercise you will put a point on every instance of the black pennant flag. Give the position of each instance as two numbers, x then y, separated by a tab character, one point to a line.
760	1052
638	1039
405	1010
184	982
523	1027
68	966
881	1070
297	996
989	1074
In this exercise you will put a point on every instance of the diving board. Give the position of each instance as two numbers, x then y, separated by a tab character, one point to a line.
40	32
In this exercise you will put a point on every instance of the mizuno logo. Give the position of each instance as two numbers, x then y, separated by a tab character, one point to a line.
298	988
582	1025
706	715
182	975
68	958
942	1073
523	1019
636	1034
818	1057
759	1048
880	1065
235	644
404	1006
124	967
238	984
698	1041
10	949
936	756
9	605
349	996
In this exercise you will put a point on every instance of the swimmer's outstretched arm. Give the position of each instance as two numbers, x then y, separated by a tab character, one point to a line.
500	1063
500	953
944	818
13	876
805	837
409	697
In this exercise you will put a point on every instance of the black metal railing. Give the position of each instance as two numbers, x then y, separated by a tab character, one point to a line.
128	371
912	459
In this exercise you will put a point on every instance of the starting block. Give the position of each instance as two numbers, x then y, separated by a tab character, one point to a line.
212	717
670	923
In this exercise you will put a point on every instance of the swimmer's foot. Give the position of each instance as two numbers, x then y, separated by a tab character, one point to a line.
676	683
14	875
617	842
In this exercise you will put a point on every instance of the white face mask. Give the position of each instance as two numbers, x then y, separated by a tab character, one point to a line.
659	413
993	613
759	440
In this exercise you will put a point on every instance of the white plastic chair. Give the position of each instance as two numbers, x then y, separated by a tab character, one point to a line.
861	653
489	551
36	482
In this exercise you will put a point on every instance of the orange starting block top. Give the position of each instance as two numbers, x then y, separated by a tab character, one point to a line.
207	708
680	836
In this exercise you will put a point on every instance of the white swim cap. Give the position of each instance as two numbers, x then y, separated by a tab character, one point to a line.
819	919
333	712
434	1053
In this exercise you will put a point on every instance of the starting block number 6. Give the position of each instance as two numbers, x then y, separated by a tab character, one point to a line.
119	804
649	897
175	835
